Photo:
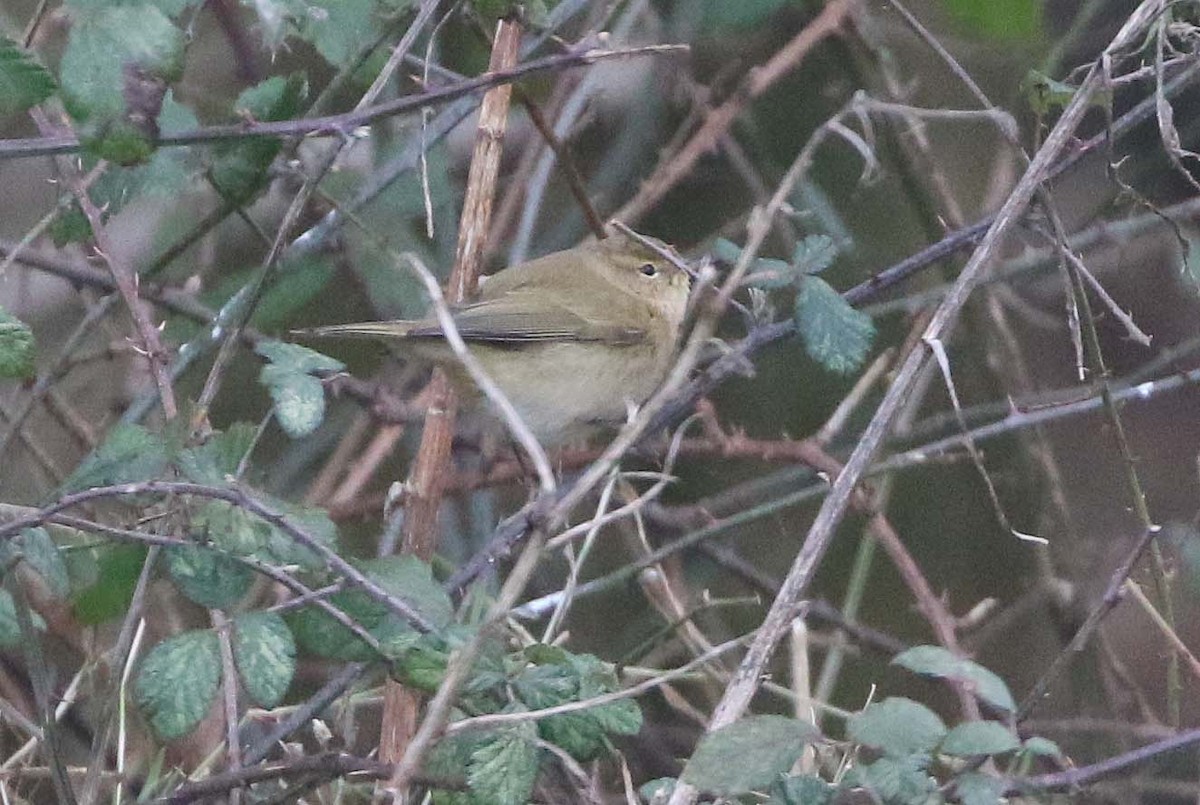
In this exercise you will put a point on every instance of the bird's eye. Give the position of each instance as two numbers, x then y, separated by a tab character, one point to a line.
649	269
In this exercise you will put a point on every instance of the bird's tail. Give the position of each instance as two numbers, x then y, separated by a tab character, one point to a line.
385	330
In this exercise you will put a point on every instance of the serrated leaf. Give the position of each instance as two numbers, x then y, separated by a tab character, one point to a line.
403	576
112	50
975	738
940	663
298	396
36	548
17	353
265	654
178	681
771	274
898	780
230	528
898	727
239	169
208	577
10	628
23	82
279	546
129	454
814	254
219	457
748	754
503	770
835	335
976	788
805	789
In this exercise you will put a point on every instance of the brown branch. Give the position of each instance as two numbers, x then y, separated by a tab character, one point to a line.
708	138
433	458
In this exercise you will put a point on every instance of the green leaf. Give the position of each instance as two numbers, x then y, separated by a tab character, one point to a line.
807	789
835	335
503	770
117	573
814	254
10	629
298	396
937	662
129	454
1042	747
35	547
230	528
208	577
748	754
17	351
898	781
658	791
719	15
23	82
1006	20
113	74
178	681
212	462
976	788
239	169
282	549
403	576
265	654
898	727
975	738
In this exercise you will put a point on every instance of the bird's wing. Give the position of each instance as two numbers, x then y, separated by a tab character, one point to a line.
513	318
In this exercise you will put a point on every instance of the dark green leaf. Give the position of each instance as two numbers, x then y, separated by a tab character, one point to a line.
239	170
976	788
719	15
748	754
281	548
974	738
503	769
178	680
10	628
898	727
937	662
211	462
17	351
835	335
35	547
117	573
23	82
265	655
208	577
129	454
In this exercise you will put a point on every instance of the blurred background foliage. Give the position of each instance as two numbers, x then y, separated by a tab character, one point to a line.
225	61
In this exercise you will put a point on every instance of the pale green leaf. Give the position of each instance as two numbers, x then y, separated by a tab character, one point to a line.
212	462
10	628
749	754
265	654
129	454
503	770
976	788
835	335
298	396
178	681
975	738
940	663
898	727
35	547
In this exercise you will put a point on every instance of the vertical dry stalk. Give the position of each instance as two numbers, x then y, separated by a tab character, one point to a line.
427	478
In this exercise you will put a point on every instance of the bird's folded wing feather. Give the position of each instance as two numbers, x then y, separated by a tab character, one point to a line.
512	318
